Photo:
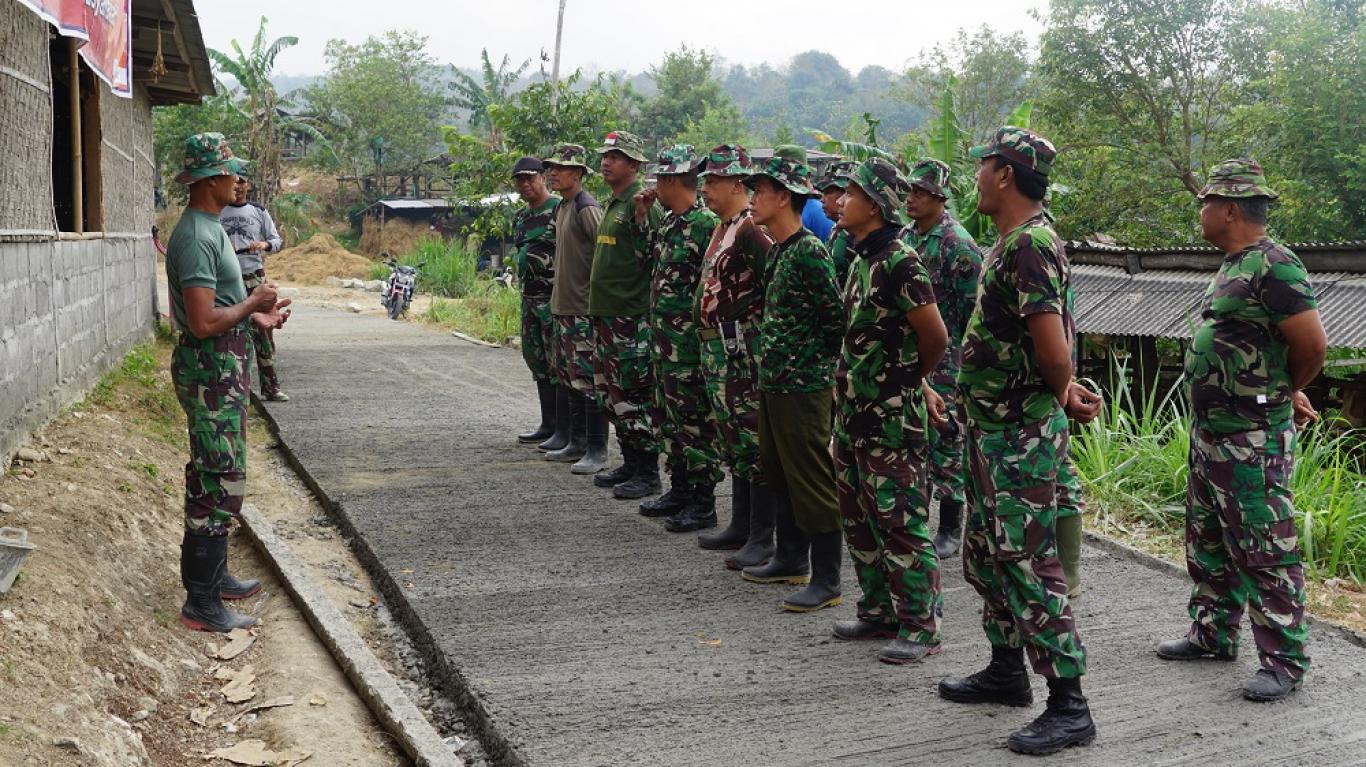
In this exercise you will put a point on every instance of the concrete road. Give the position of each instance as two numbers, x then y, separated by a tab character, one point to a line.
589	636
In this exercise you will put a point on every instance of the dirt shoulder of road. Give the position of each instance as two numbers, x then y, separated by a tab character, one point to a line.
95	668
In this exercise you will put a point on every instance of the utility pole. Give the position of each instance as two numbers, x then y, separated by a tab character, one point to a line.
555	67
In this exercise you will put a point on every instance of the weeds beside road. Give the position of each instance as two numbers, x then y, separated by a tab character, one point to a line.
463	298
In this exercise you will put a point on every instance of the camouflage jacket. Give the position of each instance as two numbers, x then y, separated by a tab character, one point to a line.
877	382
802	326
955	263
731	288
839	254
679	244
1026	273
1236	361
534	233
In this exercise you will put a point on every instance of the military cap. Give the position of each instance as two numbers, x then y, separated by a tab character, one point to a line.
1236	179
569	156
628	144
207	155
528	166
932	176
1019	145
837	175
677	160
787	167
885	186
727	160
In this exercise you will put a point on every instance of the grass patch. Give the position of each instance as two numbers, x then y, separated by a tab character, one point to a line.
141	389
1133	459
445	268
495	316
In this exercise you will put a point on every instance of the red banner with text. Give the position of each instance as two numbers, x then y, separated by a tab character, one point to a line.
106	30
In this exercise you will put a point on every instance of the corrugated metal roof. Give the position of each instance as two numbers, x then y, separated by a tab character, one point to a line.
1165	302
1349	256
411	204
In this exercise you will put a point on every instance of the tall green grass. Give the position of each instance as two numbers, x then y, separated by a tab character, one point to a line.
446	268
463	299
1133	458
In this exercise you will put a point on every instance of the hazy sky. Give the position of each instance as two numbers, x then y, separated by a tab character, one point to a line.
618	35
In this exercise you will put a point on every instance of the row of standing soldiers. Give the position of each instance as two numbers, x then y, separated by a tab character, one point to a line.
703	320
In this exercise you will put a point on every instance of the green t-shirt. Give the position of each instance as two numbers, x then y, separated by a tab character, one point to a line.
199	255
623	263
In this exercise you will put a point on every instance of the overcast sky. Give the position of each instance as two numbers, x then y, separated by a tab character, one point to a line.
618	35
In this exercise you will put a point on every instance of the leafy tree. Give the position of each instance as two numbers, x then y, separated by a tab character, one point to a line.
171	125
991	73
718	125
259	104
381	102
685	91
476	96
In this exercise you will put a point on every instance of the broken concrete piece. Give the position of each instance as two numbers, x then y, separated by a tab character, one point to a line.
30	455
238	642
355	308
254	753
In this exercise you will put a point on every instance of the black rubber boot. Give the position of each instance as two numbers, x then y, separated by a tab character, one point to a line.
789	563
1185	649
859	628
644	482
737	532
679	496
758	548
564	420
577	444
949	538
614	477
1267	685
595	441
546	393
1065	722
203	560
827	554
231	588
1004	681
899	652
699	514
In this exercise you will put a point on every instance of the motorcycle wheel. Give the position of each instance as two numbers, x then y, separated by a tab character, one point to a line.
396	307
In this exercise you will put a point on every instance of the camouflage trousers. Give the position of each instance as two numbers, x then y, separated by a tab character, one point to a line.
732	383
263	340
884	506
538	337
947	444
622	380
1010	547
1070	500
213	383
684	422
1242	548
574	352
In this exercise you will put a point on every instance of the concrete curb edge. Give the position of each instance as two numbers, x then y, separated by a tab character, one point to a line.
1125	551
381	693
499	749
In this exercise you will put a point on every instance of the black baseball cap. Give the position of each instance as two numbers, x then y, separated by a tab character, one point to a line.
528	165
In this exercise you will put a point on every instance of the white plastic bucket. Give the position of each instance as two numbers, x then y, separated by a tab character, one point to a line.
14	548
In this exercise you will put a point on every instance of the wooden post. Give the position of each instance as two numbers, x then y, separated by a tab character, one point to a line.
77	160
555	67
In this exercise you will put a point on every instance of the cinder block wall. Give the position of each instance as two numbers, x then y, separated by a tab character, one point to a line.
69	311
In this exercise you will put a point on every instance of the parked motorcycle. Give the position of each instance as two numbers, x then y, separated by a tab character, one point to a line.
398	289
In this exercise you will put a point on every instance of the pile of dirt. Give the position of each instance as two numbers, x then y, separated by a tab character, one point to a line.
312	262
398	236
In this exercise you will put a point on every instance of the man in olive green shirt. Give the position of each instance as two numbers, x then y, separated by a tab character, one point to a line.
619	301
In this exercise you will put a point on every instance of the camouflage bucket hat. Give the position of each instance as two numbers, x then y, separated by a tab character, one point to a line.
1019	145
568	156
788	168
677	160
885	186
837	175
628	144
932	176
1237	179
207	155
727	160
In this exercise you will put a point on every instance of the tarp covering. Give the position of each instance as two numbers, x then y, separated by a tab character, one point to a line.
105	26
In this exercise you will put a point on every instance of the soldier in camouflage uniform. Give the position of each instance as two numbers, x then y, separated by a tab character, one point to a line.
619	301
1015	380
580	426
681	414
831	185
730	301
892	334
1258	342
211	370
799	342
954	262
533	230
